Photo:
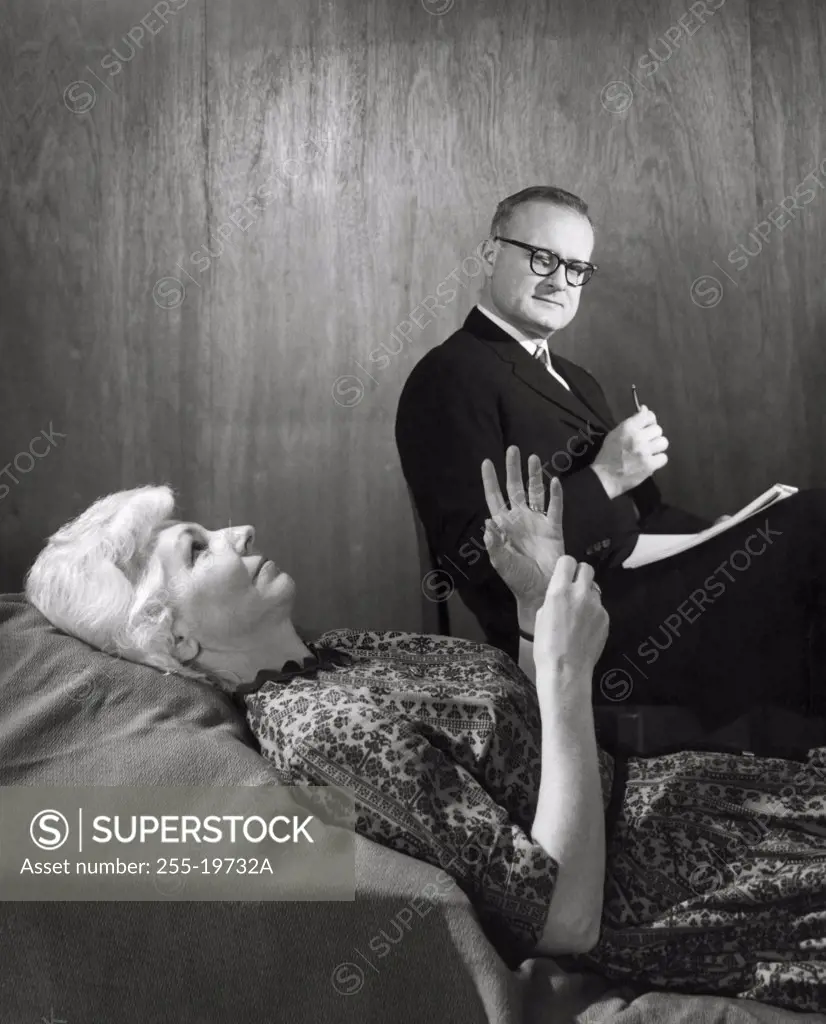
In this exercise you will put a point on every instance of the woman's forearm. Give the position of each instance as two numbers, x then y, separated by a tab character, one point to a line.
526	616
526	662
569	823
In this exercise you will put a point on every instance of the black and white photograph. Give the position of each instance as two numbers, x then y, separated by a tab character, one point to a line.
412	511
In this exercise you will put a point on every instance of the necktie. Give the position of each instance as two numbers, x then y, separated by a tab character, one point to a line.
541	356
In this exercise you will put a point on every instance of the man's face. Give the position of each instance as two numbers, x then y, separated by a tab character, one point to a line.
539	305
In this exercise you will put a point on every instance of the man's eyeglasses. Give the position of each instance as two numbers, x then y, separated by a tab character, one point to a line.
544	263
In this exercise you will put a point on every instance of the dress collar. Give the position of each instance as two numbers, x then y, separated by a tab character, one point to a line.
318	658
533	343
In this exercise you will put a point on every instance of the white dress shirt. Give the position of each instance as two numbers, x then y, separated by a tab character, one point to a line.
531	345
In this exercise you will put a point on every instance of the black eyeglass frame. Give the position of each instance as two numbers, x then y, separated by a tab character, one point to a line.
586	268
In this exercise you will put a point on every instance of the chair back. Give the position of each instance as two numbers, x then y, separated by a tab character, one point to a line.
435	616
443	610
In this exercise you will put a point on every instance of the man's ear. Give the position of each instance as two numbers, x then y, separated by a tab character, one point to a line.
487	250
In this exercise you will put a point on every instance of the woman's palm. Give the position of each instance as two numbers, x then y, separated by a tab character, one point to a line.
524	541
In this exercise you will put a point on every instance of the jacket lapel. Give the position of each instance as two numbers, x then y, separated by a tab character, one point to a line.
576	406
586	389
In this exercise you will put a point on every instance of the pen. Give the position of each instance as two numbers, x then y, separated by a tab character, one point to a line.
636	399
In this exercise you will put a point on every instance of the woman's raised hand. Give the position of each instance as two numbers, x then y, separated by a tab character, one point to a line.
524	542
572	625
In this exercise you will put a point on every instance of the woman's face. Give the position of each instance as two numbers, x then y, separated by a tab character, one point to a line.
223	594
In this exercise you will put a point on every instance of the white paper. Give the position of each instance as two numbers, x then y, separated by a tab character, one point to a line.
654	547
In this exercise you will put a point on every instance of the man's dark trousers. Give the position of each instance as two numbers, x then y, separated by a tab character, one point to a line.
731	624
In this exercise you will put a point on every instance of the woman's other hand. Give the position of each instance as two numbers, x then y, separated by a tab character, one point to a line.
524	542
572	624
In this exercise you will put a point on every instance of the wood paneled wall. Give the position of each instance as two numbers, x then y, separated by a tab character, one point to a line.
213	215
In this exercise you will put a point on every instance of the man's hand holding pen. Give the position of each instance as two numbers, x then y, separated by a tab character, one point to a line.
602	474
630	453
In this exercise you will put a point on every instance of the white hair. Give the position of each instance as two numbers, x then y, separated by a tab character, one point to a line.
95	579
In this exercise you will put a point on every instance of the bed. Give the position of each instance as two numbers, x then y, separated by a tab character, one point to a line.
70	715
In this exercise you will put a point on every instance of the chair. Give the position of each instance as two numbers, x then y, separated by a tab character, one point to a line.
443	610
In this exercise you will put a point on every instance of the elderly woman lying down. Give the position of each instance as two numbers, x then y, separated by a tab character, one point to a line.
698	872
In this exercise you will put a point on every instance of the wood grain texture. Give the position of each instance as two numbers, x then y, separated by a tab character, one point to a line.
789	241
103	183
218	275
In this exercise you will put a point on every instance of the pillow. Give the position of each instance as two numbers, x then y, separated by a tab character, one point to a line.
72	715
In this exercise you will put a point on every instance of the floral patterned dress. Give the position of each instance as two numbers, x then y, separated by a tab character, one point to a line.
716	863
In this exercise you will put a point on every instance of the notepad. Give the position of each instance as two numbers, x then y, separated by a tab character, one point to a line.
654	547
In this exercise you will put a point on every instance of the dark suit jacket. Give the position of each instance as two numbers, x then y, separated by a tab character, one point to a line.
469	399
